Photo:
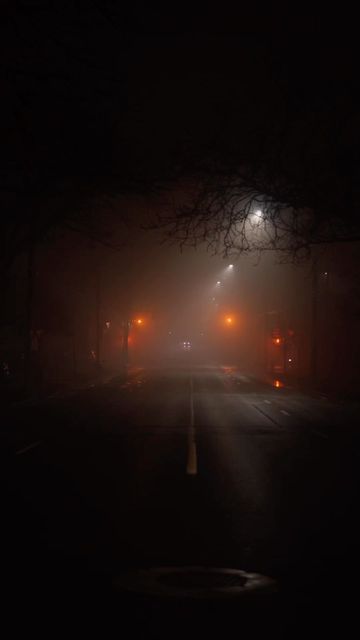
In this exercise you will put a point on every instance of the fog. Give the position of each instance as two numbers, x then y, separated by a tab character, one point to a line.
186	307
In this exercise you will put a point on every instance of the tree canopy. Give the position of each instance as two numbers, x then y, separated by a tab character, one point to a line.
236	121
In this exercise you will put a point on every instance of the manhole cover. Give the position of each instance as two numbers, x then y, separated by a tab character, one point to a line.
195	582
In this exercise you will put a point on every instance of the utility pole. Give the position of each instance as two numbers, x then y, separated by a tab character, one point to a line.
284	348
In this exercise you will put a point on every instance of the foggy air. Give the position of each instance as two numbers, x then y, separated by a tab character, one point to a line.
179	321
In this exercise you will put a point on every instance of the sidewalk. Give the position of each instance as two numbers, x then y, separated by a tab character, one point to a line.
306	386
16	397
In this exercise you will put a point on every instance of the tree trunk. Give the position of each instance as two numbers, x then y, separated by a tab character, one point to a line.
98	319
74	358
314	321
28	317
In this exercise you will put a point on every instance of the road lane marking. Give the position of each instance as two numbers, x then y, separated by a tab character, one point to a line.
191	467
192	420
284	412
266	415
33	445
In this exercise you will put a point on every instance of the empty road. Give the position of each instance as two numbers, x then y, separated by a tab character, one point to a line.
187	466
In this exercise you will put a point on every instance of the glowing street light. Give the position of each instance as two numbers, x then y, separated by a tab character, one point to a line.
139	321
256	217
229	320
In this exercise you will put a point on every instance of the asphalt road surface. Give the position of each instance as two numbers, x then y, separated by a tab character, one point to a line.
187	466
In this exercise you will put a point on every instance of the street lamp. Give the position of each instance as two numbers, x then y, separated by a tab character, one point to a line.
256	218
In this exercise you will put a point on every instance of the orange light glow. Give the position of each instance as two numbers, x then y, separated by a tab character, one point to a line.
277	340
139	321
229	320
278	384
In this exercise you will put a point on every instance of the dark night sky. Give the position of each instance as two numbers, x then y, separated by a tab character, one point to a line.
106	100
98	100
92	99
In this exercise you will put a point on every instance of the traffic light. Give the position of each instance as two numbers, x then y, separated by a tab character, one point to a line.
229	320
277	339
